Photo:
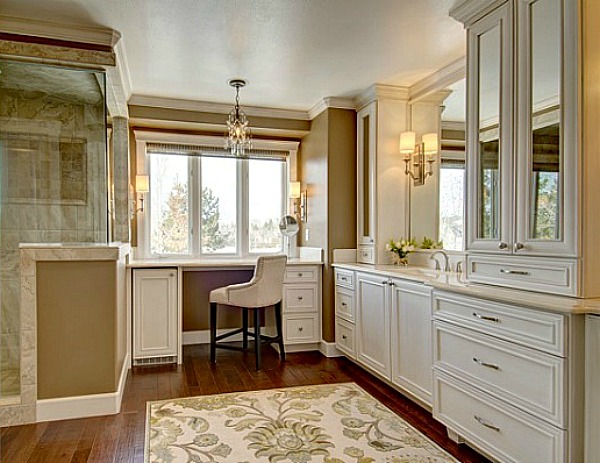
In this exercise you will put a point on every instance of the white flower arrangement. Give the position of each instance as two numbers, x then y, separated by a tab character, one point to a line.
401	248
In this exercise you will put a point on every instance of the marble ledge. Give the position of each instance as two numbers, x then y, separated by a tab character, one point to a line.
456	283
210	263
31	252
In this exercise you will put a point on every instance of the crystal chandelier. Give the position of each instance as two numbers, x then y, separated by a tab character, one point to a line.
238	140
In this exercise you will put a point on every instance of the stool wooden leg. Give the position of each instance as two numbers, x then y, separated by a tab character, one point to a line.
245	326
213	332
257	343
278	322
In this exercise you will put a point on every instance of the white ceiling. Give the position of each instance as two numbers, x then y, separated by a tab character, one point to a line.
455	106
293	52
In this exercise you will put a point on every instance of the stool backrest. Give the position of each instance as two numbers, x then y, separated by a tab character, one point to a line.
268	278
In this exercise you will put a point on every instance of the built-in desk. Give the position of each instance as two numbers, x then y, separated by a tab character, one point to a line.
169	302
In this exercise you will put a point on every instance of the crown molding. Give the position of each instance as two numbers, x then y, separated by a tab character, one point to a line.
330	102
381	92
436	98
213	107
440	79
53	30
469	11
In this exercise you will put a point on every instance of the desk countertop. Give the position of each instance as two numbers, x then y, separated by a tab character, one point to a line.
210	263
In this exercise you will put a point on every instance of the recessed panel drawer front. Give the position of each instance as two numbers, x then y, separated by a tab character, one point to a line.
504	432
344	278
301	329
301	273
300	299
365	254
344	304
344	338
532	328
550	276
528	379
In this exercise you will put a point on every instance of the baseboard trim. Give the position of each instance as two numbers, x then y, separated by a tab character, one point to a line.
328	349
66	408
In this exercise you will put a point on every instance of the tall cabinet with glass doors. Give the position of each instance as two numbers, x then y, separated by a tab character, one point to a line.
522	144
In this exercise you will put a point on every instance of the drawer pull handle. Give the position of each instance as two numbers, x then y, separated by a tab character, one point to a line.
486	318
344	336
514	272
300	275
484	364
299	298
300	329
344	279
485	423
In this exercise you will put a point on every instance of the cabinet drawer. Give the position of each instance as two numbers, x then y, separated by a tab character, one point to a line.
344	338
344	304
365	254
301	329
300	273
344	278
300	299
532	328
545	275
528	379
496	428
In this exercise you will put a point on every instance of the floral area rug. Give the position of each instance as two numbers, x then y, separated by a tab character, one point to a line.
332	423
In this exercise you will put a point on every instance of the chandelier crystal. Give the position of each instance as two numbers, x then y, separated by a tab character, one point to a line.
238	140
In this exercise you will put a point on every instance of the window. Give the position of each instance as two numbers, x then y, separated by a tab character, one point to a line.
452	190
205	203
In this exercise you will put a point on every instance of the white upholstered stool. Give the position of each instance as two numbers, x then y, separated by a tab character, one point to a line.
265	289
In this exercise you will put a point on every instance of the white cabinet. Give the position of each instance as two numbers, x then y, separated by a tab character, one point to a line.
373	310
155	320
302	306
385	325
523	191
508	379
382	187
412	356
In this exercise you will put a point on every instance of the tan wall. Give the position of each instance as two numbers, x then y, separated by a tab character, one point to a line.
77	329
327	164
197	285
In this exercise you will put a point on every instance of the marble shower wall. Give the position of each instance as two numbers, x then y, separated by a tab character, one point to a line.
52	177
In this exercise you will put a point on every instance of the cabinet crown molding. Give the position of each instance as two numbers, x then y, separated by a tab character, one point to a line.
469	11
59	31
381	92
330	102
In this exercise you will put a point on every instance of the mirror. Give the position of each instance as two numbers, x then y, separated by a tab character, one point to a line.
288	226
488	191
545	176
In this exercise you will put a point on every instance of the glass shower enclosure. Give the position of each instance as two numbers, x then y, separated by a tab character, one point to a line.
53	178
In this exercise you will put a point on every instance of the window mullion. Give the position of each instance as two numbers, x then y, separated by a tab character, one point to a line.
196	205
243	208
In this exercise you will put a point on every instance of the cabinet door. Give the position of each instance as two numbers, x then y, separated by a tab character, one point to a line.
489	117
546	220
373	323
366	157
154	313
412	356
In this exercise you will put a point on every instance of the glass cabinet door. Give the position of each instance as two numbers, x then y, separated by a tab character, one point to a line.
490	169
541	157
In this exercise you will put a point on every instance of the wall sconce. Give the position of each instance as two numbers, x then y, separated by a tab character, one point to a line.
142	185
298	196
416	155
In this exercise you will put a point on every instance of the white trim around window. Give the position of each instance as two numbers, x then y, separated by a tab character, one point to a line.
142	138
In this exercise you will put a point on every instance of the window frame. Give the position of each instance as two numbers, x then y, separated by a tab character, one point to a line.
143	219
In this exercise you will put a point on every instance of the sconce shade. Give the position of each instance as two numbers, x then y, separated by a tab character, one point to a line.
142	184
294	190
407	142
430	141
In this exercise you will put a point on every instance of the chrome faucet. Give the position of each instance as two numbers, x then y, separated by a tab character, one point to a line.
437	262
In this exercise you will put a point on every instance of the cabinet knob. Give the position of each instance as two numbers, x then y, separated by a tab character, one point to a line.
344	336
300	275
519	246
344	279
299	298
171	274
300	329
502	245
384	282
344	304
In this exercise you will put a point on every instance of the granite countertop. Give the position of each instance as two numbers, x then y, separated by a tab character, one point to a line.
456	283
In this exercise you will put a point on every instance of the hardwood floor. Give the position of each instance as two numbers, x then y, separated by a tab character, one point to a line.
120	438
